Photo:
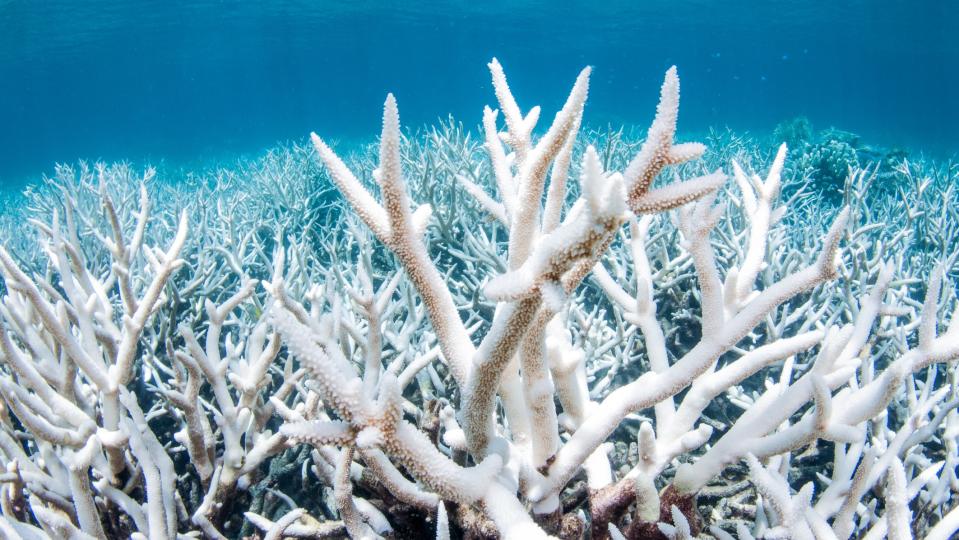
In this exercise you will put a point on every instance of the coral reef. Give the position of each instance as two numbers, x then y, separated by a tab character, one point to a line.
519	336
794	133
831	162
828	160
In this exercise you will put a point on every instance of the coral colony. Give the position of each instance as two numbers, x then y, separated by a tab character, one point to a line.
519	338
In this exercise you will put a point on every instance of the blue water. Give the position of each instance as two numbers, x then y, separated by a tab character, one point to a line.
153	81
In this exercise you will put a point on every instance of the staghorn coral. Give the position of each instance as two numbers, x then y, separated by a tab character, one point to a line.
474	372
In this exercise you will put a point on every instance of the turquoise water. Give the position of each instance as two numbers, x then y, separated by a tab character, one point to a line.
159	82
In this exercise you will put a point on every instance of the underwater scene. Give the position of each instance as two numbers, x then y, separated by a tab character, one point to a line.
479	270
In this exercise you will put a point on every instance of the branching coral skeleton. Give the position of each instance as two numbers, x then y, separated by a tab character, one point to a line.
479	384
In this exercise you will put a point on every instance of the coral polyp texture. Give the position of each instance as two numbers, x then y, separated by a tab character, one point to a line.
521	336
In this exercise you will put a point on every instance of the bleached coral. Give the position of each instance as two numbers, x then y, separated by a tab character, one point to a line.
528	313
